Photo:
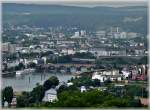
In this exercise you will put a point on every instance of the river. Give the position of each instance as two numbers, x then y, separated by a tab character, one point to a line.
28	82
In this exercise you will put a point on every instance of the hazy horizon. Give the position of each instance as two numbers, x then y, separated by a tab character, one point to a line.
84	3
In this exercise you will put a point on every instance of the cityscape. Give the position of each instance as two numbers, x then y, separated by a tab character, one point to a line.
56	56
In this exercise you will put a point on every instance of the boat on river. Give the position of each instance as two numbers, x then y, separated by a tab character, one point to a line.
8	74
25	71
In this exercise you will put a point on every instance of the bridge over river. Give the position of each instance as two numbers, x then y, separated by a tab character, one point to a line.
69	67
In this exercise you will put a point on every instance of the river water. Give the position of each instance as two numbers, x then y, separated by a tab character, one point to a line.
28	82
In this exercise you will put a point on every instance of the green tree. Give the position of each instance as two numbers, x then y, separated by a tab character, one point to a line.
135	103
47	84
82	81
21	66
133	90
38	93
3	98
54	80
61	89
96	82
7	94
23	100
51	82
143	60
116	102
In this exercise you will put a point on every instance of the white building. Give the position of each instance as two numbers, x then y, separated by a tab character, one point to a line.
77	34
119	78
12	64
99	77
69	84
123	35
115	29
131	35
14	102
8	47
83	69
139	51
5	47
125	73
35	61
83	51
68	51
102	88
50	95
5	104
111	72
83	89
83	32
44	58
99	52
116	35
101	34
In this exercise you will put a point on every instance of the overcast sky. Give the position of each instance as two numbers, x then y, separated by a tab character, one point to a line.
86	3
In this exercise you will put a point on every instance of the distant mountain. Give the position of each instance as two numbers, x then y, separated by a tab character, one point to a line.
85	17
34	8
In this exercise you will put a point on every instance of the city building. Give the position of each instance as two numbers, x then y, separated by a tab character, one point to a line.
8	47
100	77
50	95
